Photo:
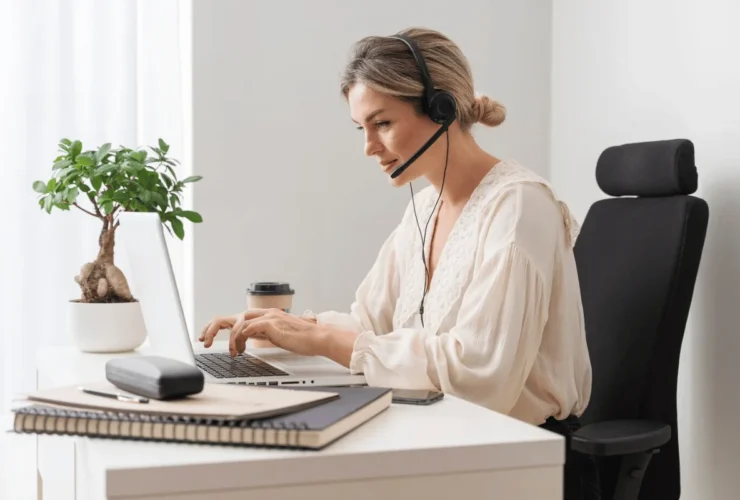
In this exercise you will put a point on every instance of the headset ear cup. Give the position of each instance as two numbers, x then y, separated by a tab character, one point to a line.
442	107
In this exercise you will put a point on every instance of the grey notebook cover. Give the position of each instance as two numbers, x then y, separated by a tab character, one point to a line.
350	400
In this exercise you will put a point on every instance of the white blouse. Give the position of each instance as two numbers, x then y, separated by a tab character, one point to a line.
503	320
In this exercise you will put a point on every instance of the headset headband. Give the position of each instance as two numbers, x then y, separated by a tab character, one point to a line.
426	79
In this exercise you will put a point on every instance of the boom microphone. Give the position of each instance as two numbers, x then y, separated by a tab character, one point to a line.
426	146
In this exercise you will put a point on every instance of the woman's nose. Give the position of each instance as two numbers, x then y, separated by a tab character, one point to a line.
372	145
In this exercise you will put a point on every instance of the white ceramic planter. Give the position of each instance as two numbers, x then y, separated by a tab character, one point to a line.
116	327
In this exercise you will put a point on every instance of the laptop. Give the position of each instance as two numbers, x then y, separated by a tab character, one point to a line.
142	241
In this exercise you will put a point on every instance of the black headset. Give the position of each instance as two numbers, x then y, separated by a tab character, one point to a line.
439	105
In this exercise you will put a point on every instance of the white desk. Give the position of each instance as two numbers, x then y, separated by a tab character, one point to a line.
450	449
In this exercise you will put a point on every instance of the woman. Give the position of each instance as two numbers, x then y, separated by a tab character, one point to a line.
475	292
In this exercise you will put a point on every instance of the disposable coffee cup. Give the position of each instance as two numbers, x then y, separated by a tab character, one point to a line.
270	295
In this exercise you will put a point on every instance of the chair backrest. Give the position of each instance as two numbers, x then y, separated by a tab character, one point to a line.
637	256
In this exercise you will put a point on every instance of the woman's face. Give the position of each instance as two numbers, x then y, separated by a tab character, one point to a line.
394	131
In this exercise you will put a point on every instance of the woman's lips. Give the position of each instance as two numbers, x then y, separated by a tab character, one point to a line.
387	167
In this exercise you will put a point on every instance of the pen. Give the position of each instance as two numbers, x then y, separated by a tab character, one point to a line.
115	395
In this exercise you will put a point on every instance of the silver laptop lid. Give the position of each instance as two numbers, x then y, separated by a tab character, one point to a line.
152	282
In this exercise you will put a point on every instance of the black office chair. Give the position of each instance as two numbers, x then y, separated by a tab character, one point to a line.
637	256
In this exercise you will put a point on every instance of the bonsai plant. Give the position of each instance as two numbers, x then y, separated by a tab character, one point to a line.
103	183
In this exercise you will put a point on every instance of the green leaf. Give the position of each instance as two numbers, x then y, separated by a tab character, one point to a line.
142	178
121	197
71	194
61	164
158	199
85	160
75	149
48	204
84	188
139	156
66	142
69	171
103	151
96	183
178	228
39	187
164	146
107	207
51	186
108	167
191	216
192	178
138	206
167	180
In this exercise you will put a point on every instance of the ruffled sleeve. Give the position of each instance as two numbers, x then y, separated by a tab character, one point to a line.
486	357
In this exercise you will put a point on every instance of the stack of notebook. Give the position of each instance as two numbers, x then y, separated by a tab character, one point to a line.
306	417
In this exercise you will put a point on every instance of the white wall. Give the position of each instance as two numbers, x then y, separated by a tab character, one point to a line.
634	71
287	192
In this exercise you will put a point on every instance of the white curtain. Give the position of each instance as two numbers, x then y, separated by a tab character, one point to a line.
96	71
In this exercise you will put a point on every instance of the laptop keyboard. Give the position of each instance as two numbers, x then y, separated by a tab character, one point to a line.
222	365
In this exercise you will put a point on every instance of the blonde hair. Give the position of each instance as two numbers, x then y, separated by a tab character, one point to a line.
387	65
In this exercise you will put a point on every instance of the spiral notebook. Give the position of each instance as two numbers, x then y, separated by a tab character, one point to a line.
311	428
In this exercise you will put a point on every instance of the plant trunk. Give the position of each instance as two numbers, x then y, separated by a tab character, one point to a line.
100	280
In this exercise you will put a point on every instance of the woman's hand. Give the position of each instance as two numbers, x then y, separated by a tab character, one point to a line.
226	323
235	322
281	329
292	333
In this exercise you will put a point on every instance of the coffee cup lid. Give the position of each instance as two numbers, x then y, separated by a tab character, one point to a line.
270	288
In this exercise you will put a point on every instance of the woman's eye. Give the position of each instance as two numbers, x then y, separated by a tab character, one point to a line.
377	125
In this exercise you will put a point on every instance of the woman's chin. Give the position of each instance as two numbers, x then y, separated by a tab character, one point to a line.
397	182
403	179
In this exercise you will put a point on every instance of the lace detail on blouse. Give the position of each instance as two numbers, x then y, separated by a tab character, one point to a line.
457	257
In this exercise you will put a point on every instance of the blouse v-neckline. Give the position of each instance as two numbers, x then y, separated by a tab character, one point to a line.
454	262
452	236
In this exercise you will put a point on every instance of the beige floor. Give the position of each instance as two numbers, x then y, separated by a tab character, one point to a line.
17	463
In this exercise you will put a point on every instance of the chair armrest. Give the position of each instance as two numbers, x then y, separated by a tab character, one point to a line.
620	437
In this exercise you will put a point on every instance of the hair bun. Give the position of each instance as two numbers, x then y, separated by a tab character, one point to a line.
488	112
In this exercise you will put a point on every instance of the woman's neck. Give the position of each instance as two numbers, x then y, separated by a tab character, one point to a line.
466	166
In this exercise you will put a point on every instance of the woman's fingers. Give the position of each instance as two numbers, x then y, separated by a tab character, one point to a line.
247	316
216	325
209	332
243	320
252	314
253	328
240	338
232	339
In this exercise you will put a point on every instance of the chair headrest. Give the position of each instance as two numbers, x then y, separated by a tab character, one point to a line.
656	168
